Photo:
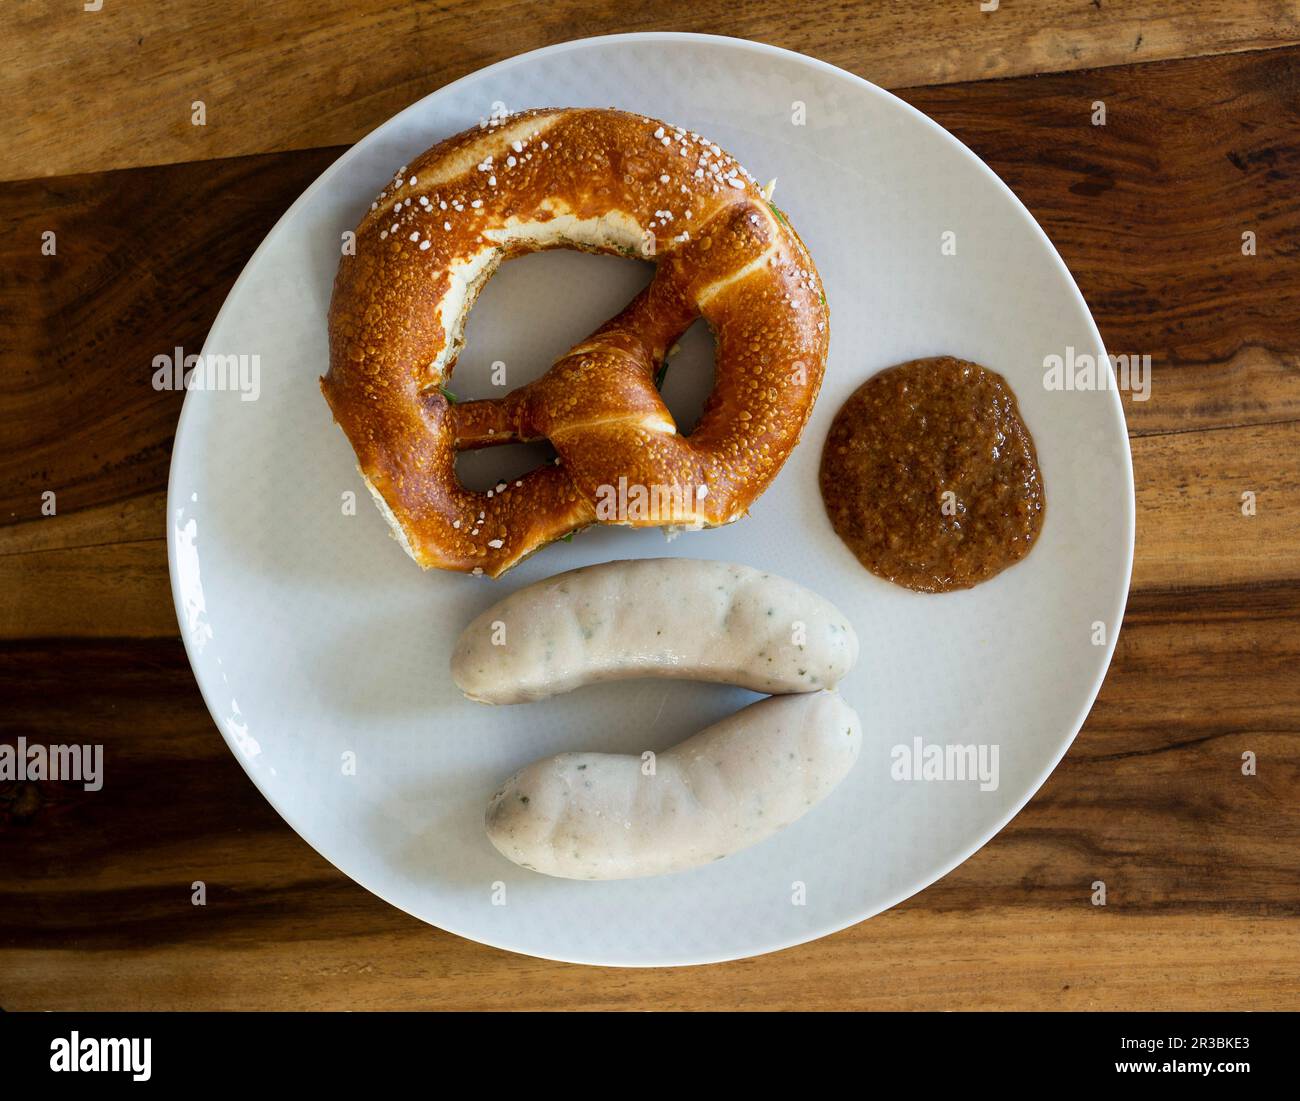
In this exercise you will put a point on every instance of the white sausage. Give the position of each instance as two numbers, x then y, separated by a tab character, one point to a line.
599	816
660	617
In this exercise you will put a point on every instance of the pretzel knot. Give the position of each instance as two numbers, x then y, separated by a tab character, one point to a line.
601	181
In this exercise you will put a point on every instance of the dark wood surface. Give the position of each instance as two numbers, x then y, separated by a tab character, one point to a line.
113	88
1200	861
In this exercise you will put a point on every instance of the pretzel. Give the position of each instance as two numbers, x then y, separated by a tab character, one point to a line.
601	181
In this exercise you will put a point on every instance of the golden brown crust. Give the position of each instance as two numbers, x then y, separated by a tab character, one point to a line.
597	179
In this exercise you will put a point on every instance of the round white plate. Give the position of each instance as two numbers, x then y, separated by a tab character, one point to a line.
322	650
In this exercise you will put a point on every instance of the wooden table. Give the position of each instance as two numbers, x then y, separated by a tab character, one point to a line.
154	218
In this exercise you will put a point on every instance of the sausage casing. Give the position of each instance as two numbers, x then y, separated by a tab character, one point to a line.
613	816
654	617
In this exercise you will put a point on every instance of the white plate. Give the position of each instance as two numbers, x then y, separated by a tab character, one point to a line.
313	637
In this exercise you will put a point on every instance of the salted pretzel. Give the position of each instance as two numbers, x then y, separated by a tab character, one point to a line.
602	181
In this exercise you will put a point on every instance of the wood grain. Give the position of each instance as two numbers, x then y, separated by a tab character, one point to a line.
95	90
143	261
1149	211
1199	859
1071	960
1193	521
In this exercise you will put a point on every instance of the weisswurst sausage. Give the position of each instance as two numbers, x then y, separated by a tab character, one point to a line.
609	816
654	617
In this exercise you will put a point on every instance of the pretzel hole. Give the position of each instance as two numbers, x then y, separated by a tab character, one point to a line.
688	380
486	468
533	310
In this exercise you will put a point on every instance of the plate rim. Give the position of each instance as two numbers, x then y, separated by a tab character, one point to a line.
764	50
